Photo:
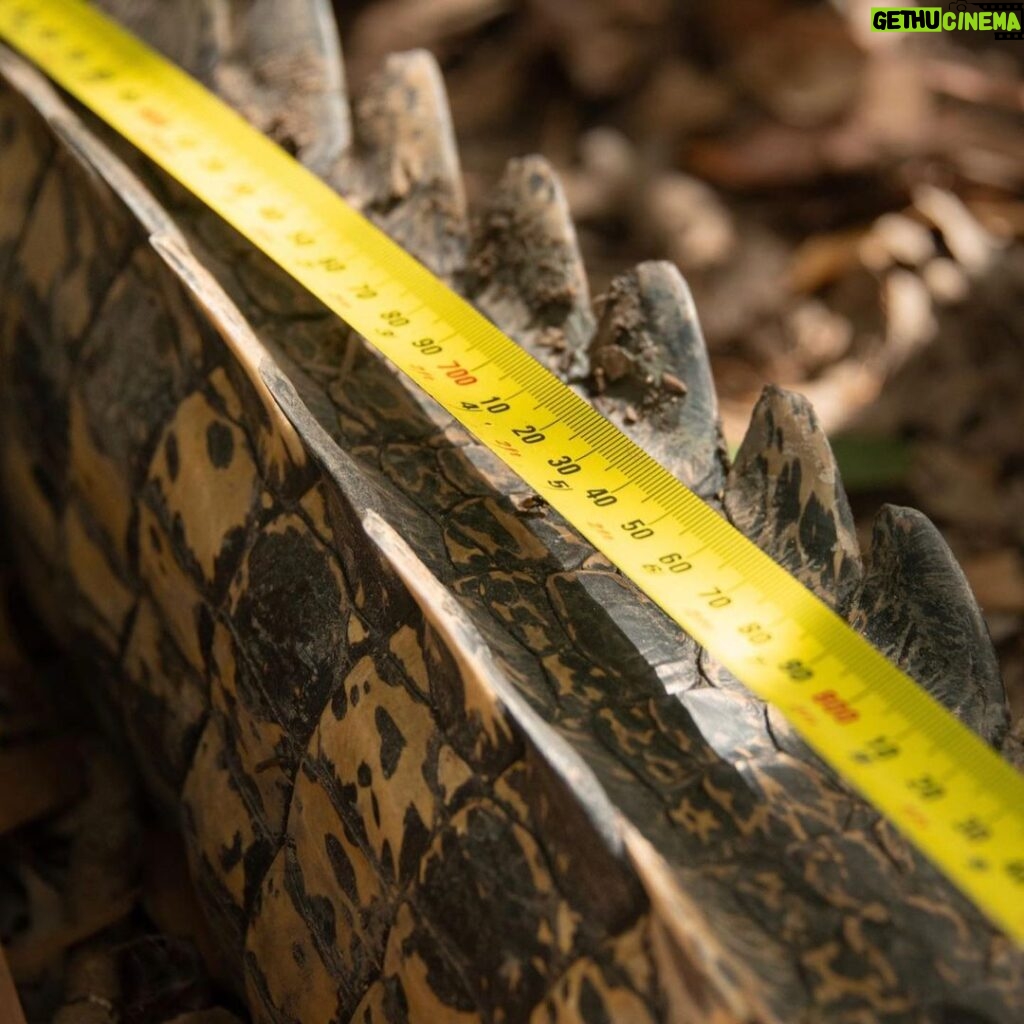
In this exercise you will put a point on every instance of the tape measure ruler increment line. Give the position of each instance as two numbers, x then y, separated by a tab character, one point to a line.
942	786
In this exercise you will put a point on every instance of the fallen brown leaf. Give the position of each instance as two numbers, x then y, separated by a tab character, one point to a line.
997	579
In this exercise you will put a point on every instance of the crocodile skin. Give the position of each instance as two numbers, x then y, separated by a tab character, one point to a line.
432	755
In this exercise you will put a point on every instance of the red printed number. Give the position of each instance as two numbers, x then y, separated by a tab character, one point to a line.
834	705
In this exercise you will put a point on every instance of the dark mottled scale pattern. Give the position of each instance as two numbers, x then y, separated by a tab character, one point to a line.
433	758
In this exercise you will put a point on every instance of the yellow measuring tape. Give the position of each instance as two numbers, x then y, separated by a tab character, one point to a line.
943	787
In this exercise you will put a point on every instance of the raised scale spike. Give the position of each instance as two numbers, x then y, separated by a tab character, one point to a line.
784	492
403	171
916	606
650	374
525	269
277	62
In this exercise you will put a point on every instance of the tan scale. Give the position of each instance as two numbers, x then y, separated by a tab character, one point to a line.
90	571
257	740
208	494
99	482
145	662
314	824
170	586
290	967
389	778
221	825
408	966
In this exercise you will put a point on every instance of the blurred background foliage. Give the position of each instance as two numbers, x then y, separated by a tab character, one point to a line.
845	204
